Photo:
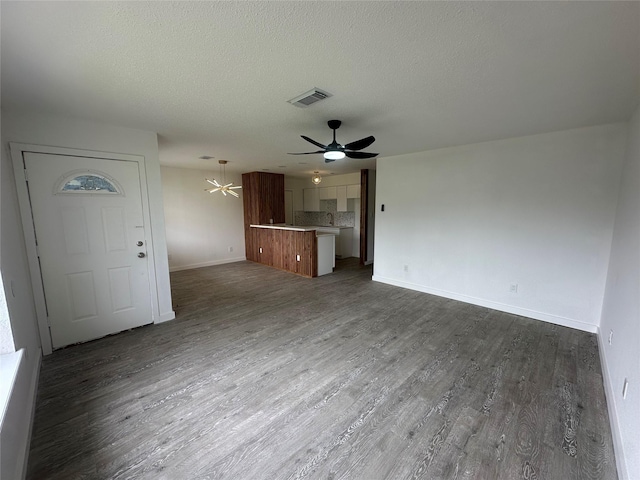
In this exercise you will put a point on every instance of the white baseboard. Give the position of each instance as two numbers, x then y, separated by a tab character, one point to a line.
618	448
503	307
178	268
165	317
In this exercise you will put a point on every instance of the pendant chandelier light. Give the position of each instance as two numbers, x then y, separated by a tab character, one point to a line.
316	179
225	188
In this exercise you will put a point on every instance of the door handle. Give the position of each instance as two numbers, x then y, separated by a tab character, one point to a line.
141	255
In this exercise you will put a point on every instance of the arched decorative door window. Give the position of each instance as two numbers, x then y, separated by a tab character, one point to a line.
88	181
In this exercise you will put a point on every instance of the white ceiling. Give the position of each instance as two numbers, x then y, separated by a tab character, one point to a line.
213	78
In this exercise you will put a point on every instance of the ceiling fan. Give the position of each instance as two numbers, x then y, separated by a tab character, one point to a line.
335	151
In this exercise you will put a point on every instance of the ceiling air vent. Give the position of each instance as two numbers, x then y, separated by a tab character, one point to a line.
309	98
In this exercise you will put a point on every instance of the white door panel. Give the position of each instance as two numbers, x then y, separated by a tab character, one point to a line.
94	282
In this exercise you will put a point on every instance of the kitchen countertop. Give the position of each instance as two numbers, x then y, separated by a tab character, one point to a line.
330	226
295	228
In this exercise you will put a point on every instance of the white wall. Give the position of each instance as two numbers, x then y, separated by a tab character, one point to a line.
201	226
621	314
296	185
48	130
535	211
335	180
16	428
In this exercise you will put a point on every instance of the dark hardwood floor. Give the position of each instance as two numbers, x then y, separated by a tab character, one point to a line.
268	375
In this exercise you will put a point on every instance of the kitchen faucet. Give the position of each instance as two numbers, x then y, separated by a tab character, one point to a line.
330	215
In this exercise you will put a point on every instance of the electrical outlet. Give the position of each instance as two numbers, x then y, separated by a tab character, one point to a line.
230	249
610	336
260	250
625	387
406	268
513	288
297	258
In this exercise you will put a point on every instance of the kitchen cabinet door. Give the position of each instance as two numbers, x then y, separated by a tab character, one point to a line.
307	248
288	250
252	238
353	191
265	246
331	193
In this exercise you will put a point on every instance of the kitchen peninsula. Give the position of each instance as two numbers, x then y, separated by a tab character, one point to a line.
304	250
296	249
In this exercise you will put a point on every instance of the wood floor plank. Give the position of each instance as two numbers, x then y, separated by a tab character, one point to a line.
266	375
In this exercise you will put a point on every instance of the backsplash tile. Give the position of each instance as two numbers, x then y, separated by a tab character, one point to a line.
323	218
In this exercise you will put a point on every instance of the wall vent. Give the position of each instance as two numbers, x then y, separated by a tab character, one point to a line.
309	98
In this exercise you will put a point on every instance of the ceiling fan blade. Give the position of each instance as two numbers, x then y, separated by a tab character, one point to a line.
306	153
329	160
317	144
360	144
360	154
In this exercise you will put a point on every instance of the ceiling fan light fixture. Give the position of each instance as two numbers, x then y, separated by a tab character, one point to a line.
334	155
316	179
335	151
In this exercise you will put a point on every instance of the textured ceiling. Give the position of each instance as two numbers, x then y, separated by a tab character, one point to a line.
213	78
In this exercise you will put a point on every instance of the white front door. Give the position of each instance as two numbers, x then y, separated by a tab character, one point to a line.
91	243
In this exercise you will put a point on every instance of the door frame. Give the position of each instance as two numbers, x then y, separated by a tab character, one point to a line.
17	152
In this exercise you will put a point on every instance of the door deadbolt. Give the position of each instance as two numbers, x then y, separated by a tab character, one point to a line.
139	243
141	255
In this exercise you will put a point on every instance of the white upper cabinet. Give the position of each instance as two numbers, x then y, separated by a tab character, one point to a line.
313	195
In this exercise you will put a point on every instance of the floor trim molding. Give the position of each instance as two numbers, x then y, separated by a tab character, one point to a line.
206	264
503	307
609	394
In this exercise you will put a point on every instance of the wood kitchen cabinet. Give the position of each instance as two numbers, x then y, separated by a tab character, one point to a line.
307	248
263	203
281	248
